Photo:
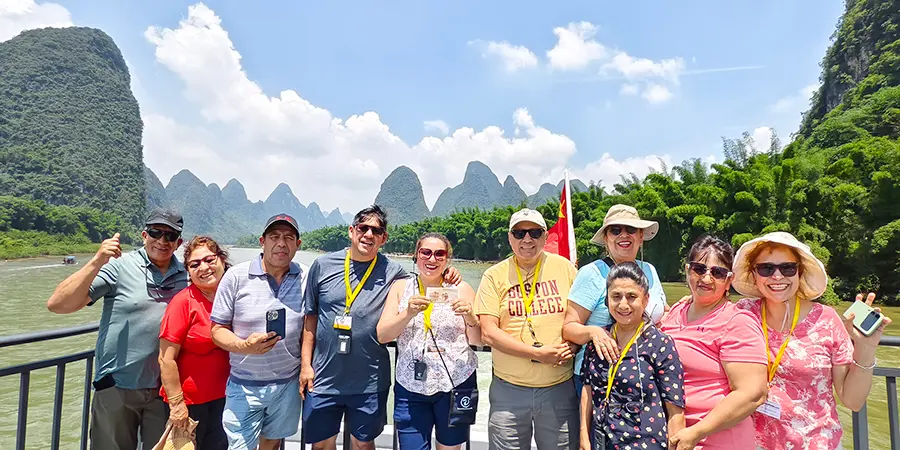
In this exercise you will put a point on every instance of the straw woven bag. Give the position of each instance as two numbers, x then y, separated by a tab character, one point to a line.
175	438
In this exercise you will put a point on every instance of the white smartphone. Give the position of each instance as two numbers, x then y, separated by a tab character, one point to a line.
865	319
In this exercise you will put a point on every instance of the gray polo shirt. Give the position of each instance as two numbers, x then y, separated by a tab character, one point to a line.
244	295
135	295
367	369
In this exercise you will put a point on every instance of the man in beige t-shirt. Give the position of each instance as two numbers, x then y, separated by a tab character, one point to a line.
521	303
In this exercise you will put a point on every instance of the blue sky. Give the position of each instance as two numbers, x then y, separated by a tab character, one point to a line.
623	83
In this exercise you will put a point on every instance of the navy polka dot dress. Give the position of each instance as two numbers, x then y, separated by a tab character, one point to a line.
650	374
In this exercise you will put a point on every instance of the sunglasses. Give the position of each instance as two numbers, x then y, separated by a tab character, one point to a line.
210	260
719	273
164	291
363	229
787	269
439	255
156	233
616	230
535	233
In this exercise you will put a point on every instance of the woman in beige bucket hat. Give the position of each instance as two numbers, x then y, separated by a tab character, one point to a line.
622	233
812	351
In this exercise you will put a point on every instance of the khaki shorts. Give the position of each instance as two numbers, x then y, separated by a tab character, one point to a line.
120	416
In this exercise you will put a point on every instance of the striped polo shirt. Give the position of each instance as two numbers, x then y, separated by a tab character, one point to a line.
244	296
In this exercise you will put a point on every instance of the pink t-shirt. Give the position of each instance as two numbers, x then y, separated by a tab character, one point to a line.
727	334
803	385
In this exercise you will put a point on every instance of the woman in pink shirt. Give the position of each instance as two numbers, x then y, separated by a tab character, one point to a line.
721	348
821	353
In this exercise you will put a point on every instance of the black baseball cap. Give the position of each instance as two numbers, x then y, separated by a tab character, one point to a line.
282	218
161	216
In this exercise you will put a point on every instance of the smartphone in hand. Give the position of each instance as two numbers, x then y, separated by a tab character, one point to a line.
275	321
865	319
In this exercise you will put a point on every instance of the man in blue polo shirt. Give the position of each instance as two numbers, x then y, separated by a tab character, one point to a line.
255	303
344	367
136	288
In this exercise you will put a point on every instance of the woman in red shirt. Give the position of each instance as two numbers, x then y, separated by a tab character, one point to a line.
194	370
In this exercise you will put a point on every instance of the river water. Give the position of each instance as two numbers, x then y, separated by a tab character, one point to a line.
25	286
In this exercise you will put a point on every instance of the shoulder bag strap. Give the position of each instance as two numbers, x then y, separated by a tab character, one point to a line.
440	354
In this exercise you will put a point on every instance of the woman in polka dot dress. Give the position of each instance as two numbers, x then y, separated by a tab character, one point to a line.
644	402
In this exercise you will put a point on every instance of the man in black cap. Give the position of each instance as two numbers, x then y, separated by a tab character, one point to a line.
136	288
262	334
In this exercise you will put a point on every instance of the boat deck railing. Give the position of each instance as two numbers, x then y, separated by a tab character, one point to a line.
24	371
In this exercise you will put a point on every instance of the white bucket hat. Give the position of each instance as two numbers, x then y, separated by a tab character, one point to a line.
627	216
813	278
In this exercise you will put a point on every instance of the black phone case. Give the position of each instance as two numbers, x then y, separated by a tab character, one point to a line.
275	321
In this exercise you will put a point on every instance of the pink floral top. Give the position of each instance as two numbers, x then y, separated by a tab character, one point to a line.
803	385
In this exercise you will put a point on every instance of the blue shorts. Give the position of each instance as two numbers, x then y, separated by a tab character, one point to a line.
366	415
415	415
271	411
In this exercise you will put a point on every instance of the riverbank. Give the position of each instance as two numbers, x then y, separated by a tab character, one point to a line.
15	244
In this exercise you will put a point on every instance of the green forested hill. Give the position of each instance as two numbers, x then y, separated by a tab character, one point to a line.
70	128
836	186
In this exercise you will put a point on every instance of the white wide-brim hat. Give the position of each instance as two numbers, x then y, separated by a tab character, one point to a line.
627	216
813	278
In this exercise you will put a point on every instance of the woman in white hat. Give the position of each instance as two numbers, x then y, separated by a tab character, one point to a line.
587	314
812	351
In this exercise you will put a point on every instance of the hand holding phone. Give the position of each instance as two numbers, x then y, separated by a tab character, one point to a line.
275	321
865	318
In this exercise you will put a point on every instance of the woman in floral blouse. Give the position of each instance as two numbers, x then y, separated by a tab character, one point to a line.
812	351
637	400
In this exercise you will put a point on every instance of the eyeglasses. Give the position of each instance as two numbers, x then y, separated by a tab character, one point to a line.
616	230
719	273
363	229
210	260
166	290
439	255
787	269
630	407
156	233
535	233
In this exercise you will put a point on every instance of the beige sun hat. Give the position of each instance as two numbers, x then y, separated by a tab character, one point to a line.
628	216
813	278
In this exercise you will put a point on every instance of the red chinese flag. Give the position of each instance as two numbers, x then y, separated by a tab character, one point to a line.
559	236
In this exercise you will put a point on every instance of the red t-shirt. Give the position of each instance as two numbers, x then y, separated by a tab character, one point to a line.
202	365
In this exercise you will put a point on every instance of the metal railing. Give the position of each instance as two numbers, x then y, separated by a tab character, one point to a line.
860	418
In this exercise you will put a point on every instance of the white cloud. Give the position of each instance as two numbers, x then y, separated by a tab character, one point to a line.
20	15
762	138
629	89
656	93
263	140
795	103
607	171
438	126
641	68
513	57
575	48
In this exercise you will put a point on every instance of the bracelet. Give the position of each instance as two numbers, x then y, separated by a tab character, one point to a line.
874	362
176	398
473	326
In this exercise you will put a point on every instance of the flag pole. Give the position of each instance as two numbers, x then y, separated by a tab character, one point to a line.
571	220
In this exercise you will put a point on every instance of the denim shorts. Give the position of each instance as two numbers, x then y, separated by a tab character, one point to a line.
415	415
271	411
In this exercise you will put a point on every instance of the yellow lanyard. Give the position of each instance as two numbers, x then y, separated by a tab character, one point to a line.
352	293
529	297
614	369
773	366
427	313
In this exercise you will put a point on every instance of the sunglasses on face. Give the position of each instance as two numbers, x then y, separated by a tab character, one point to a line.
616	230
156	233
210	260
719	273
363	229
535	233
787	269
439	255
